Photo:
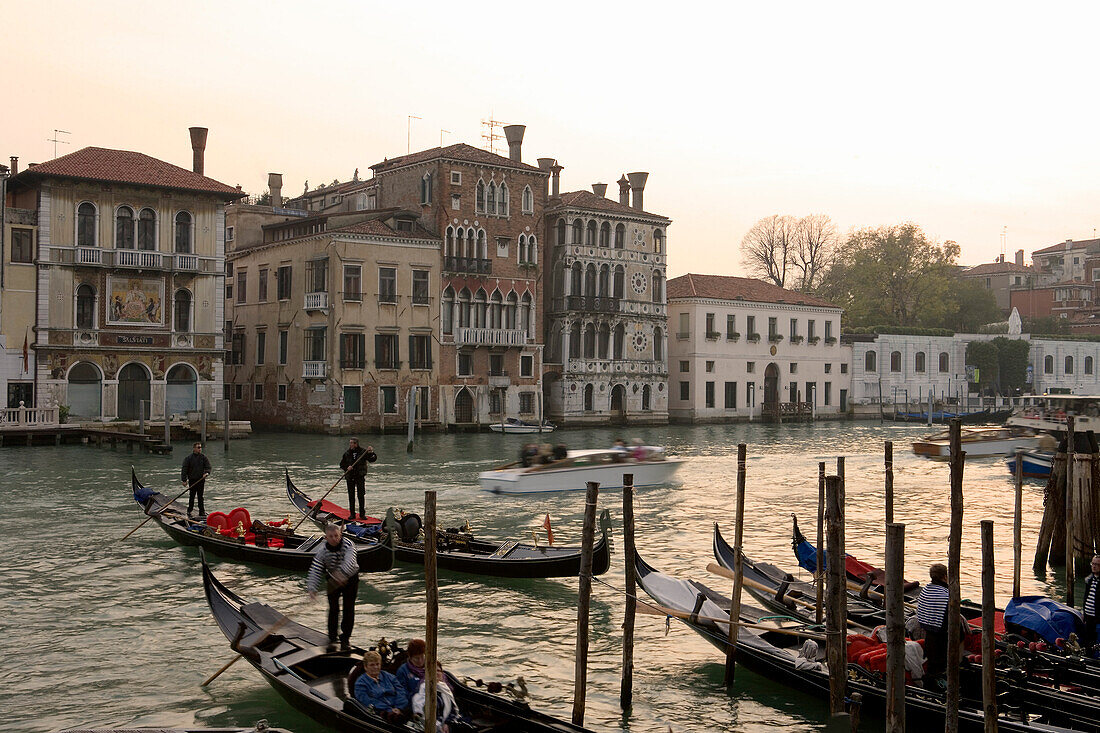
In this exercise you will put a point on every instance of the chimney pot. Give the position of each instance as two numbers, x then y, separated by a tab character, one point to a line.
637	186
514	135
624	191
1020	257
14	164
600	189
545	164
275	188
555	179
198	148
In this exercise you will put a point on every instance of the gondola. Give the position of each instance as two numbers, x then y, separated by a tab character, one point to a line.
775	656
294	660
459	551
279	548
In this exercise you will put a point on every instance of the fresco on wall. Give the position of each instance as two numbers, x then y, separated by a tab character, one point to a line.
135	301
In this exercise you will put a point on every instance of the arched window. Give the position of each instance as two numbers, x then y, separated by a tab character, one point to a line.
182	389
1048	364
479	196
147	230
85	306
590	341
590	281
620	281
426	189
528	200
184	231
447	313
604	340
605	235
578	231
620	340
645	398
449	243
533	249
124	228
182	310
658	241
620	236
604	288
84	390
502	199
589	392
525	314
1069	365
575	286
496	304
870	362
658	287
945	362
562	227
1088	365
482	246
491	198
919	361
575	341
510	307
86	229
658	345
464	308
479	320
590	234
895	361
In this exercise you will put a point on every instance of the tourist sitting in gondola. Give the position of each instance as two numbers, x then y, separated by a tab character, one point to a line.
411	673
446	707
381	691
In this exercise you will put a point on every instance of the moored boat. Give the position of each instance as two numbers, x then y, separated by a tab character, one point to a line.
294	660
1036	463
977	442
573	472
248	540
459	551
515	425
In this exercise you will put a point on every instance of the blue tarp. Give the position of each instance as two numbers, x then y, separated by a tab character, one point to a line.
807	556
1045	616
143	495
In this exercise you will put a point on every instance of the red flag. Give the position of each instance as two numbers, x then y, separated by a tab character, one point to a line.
26	352
549	530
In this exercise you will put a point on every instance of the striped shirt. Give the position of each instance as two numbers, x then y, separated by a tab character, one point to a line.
1092	590
932	606
326	562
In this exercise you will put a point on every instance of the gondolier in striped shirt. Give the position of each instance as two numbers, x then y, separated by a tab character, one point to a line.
336	565
1092	603
932	615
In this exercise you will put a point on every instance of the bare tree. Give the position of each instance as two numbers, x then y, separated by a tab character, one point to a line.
766	249
815	244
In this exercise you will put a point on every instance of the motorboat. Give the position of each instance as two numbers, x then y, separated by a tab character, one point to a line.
649	465
1049	412
515	425
977	442
1036	463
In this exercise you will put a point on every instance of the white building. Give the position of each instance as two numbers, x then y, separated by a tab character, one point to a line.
741	348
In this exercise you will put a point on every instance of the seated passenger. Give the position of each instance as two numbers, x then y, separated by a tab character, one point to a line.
380	690
560	452
528	454
638	452
446	707
411	673
620	450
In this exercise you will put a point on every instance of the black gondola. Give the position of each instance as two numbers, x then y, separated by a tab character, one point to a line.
774	656
294	661
295	552
459	551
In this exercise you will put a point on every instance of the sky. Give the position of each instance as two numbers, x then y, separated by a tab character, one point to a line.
975	120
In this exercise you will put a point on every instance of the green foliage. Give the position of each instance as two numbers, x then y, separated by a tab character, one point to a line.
972	305
984	355
63	413
1062	337
1013	356
902	331
1046	324
264	199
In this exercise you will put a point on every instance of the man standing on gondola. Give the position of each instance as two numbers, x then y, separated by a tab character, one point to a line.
196	467
354	462
336	565
1092	603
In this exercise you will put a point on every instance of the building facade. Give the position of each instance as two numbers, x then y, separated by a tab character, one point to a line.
744	349
18	281
128	260
1001	277
606	324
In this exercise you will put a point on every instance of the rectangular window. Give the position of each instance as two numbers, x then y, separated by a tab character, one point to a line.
238	392
496	403
685	391
750	327
465	365
242	282
258	392
420	351
456	178
317	276
22	245
229	234
685	366
387	285
386	355
773	328
685	326
353	350
456	201
794	367
828	330
710	367
282	282
282	393
731	395
225	392
496	365
236	352
811	329
228	289
527	403
420	287
828	368
828	393
794	328
261	347
711	333
422	395
731	326
353	282
710	394
314	345
261	287
843	368
811	392
750	367
284	340
353	400
389	400
527	366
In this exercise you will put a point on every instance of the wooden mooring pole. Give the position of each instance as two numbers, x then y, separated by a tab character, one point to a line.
954	557
820	566
1071	476
225	425
836	618
626	689
580	683
431	616
738	572
989	660
1017	526
889	480
895	627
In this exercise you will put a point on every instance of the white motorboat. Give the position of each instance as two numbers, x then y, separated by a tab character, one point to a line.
977	442
573	472
514	425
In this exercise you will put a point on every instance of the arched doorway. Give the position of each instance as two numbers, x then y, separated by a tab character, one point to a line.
645	398
182	390
464	406
618	403
85	390
133	387
771	389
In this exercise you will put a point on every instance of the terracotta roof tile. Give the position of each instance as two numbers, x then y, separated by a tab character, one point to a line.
591	202
995	268
1061	247
379	228
125	166
727	287
458	151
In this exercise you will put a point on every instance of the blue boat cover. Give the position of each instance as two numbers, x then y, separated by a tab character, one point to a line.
1045	616
807	556
143	495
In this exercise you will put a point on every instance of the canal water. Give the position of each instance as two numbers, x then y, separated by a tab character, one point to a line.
103	632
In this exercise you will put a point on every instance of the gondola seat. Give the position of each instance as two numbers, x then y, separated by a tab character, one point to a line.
239	516
217	521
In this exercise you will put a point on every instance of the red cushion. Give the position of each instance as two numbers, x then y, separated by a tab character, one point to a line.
340	512
239	516
217	520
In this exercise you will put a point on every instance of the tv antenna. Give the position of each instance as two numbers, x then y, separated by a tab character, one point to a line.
55	141
408	142
1004	242
490	135
441	131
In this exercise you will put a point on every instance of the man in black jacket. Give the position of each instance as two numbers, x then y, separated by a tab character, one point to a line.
196	467
354	463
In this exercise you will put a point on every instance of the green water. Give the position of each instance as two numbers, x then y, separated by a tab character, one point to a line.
103	632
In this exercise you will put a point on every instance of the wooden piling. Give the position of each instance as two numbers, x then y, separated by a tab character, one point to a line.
225	425
989	660
895	627
1071	476
1047	545
580	683
431	616
954	557
1017	526
836	618
202	423
626	689
820	572
738	572
889	481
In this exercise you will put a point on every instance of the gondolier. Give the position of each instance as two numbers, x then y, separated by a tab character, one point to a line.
196	467
354	463
1092	603
932	615
335	565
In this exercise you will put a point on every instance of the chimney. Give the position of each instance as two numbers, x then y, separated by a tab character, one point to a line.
15	164
198	147
624	191
600	189
555	179
1069	244
1020	257
275	188
514	135
637	185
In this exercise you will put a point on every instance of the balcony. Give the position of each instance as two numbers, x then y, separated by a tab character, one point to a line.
145	259
314	369
137	258
468	265
465	336
316	301
587	303
187	262
88	256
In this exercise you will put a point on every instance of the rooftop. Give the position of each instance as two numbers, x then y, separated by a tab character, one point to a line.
1061	247
728	287
458	151
996	268
591	202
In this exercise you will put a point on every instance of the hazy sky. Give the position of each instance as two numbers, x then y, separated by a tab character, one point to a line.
963	117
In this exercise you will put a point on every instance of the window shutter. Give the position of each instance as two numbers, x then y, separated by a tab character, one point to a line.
412	351
343	350
377	348
428	351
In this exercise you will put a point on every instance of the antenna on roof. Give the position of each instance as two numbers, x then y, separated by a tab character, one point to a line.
1004	242
491	135
409	143
55	141
441	131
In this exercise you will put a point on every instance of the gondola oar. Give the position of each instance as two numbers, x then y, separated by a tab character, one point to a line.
274	627
652	610
345	473
151	515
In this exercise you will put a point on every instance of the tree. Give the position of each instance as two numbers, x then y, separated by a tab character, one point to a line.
766	248
1013	356
1046	325
264	199
815	243
972	306
984	356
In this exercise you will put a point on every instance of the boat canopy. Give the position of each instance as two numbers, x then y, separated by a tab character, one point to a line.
1045	616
